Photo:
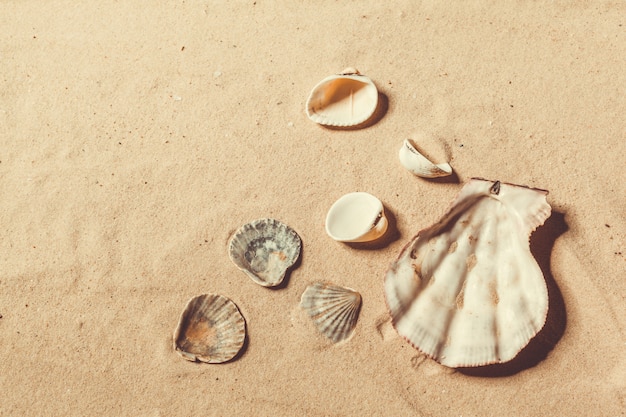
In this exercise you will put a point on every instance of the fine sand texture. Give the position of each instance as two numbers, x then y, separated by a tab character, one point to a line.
137	136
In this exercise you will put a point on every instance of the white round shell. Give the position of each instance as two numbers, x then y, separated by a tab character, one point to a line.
342	100
211	329
334	309
467	290
356	217
264	249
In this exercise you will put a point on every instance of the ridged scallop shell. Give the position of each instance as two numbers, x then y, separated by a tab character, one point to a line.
467	291
356	217
264	249
343	100
418	164
211	329
334	309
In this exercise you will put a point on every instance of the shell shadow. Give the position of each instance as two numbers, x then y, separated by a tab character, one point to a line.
381	109
391	235
449	179
541	244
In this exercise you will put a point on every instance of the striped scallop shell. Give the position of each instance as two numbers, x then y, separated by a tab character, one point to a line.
334	309
264	249
467	291
211	329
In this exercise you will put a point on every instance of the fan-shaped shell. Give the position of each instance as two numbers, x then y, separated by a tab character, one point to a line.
356	217
467	290
343	100
264	249
211	329
334	309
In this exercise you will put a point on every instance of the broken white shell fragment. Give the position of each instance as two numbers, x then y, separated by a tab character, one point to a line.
418	164
211	329
356	217
467	291
264	249
334	309
343	100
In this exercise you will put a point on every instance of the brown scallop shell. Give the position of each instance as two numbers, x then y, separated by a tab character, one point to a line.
211	329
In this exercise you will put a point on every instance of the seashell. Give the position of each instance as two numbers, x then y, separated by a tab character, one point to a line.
356	217
211	329
467	291
343	100
418	164
264	249
334	309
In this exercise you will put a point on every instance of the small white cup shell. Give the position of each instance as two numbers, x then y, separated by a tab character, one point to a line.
356	217
418	164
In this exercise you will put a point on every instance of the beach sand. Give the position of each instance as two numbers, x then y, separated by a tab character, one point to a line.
136	137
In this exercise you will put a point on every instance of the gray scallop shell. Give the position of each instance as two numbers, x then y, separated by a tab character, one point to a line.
211	329
264	249
334	309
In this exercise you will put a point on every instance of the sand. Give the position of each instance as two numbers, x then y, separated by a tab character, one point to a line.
137	136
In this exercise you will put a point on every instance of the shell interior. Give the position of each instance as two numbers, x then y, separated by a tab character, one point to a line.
334	309
467	290
264	249
356	217
343	100
211	329
418	164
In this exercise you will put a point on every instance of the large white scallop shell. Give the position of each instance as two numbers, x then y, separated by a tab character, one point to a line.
264	249
356	217
343	100
211	329
418	164
467	291
334	309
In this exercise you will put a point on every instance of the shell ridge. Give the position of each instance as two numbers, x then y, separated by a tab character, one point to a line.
427	342
333	310
330	309
338	319
469	347
336	326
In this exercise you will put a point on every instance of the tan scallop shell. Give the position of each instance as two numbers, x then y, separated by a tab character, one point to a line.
467	291
334	309
343	100
211	329
264	249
